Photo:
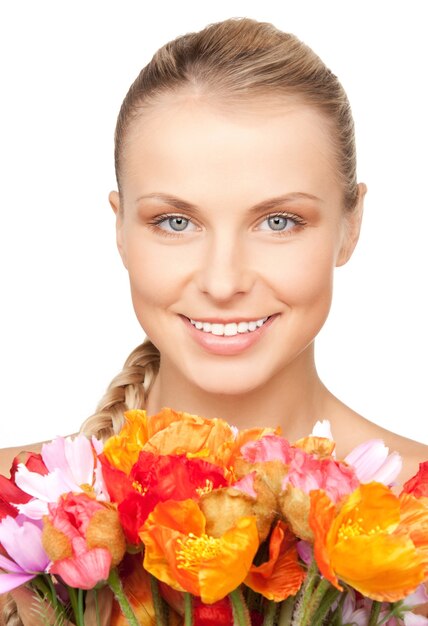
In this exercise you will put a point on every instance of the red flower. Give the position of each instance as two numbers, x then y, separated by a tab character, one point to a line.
33	462
10	493
418	484
217	614
157	478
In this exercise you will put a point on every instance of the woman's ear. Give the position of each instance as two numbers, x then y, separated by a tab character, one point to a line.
114	200
352	227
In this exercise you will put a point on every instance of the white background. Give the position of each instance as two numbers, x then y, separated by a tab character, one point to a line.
66	318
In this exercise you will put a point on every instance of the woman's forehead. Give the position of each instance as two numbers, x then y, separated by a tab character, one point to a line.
189	145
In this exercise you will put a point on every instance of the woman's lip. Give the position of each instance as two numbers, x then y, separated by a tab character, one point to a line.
231	320
223	345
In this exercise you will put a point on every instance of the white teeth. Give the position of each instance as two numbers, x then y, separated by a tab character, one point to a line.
242	327
229	330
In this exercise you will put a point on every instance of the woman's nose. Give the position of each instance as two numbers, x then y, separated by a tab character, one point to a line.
224	268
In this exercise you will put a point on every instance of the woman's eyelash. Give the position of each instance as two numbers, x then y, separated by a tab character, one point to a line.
155	222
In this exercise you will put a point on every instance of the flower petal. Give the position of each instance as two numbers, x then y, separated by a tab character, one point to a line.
47	488
322	429
80	459
371	462
23	542
85	572
12	581
282	575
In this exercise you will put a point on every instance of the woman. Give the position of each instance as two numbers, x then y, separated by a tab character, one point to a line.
237	198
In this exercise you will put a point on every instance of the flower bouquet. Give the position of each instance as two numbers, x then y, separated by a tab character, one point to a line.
190	521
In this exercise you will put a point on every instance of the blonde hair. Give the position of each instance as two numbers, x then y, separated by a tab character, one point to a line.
229	63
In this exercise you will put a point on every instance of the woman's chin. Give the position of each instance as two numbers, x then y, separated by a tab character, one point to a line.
235	384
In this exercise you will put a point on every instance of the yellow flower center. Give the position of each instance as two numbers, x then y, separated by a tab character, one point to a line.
87	489
195	550
207	489
139	487
354	528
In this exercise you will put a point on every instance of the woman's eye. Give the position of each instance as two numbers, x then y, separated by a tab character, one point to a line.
170	224
281	222
177	223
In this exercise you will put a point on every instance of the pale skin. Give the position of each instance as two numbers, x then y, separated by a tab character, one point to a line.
225	259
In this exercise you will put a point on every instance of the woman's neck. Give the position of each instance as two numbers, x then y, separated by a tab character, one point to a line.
294	399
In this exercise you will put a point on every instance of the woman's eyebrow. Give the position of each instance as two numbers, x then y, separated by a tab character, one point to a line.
270	203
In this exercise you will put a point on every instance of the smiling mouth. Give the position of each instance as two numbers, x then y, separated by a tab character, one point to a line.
229	329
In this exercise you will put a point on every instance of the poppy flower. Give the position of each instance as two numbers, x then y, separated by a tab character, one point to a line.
374	542
180	553
157	478
83	538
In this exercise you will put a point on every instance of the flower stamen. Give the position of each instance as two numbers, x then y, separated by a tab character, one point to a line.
195	550
206	489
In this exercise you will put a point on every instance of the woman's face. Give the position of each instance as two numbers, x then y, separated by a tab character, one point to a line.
231	217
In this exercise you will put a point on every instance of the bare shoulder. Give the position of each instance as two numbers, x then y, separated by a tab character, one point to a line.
350	428
8	454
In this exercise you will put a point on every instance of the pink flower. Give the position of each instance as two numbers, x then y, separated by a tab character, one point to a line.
371	462
22	539
306	472
84	539
267	448
71	463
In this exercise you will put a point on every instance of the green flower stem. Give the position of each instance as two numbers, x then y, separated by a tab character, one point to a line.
188	609
270	613
396	609
374	613
115	585
324	606
160	613
314	602
74	605
54	598
241	615
80	606
286	611
305	594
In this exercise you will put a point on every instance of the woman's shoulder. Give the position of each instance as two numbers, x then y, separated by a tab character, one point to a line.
352	429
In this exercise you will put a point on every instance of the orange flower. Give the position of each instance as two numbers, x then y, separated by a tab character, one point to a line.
374	542
177	433
281	576
414	513
122	450
180	553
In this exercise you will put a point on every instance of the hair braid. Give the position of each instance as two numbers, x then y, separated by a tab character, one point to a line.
9	614
127	390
